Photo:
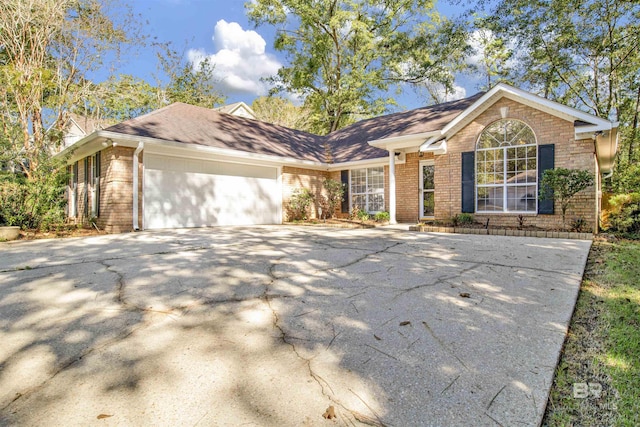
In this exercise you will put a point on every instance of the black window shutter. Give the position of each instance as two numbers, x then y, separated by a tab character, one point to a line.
546	160
344	178
468	182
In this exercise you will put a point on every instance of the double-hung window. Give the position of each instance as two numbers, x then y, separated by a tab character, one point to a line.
506	168
367	189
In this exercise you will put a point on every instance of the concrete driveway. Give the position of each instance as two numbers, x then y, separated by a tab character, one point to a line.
272	325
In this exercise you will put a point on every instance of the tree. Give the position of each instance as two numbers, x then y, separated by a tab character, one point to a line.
492	55
48	47
334	194
562	185
279	111
120	98
578	52
345	55
188	80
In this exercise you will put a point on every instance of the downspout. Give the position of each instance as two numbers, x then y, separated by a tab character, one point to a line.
136	161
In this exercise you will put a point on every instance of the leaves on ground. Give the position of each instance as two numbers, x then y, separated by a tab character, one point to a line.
330	413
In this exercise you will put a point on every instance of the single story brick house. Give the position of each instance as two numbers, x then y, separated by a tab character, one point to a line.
187	166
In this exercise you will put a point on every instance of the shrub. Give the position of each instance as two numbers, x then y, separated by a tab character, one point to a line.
382	216
329	203
462	219
298	205
359	214
562	185
37	202
624	216
13	196
578	225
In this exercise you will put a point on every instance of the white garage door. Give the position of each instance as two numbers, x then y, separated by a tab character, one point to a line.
182	192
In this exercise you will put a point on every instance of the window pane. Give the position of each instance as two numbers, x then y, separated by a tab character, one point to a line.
428	204
367	189
490	199
427	177
521	198
376	203
359	201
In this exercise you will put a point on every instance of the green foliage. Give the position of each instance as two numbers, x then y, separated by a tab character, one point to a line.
359	214
624	216
48	49
563	184
462	219
299	203
578	225
36	202
329	203
282	112
192	82
345	55
382	216
120	98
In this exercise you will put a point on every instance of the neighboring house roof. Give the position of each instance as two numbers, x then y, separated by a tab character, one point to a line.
189	124
239	109
88	124
351	142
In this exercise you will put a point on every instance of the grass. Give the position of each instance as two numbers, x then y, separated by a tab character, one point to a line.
597	381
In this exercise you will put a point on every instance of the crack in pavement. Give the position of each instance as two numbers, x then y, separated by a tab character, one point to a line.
287	340
98	261
437	281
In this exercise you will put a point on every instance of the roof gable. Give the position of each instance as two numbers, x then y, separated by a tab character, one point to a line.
188	124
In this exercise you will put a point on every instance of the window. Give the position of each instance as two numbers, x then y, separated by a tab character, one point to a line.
506	168
367	189
73	190
94	184
427	171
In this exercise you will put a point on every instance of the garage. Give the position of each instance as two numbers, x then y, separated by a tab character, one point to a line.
185	192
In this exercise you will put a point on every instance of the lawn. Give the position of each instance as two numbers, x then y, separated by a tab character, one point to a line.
597	381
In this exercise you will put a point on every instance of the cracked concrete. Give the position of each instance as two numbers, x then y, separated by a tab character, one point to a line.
271	325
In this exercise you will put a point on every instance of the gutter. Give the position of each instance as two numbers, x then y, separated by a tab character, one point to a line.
136	162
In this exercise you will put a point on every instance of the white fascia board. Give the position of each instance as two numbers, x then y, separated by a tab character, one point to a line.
503	90
404	141
159	146
381	161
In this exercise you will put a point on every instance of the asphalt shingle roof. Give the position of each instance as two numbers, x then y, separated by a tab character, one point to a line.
189	124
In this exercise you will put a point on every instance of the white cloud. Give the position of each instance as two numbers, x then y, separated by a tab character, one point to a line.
240	59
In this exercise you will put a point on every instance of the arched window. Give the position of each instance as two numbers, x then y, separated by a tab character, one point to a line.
506	168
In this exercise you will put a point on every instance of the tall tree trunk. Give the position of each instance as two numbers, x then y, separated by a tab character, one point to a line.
634	129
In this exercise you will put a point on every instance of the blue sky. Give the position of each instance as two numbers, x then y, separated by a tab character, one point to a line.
242	53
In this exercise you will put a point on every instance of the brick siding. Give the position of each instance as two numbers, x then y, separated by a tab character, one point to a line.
548	129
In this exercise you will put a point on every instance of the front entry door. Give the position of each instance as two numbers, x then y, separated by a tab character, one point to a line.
427	190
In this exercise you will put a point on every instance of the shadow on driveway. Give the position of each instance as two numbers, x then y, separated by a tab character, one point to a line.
272	325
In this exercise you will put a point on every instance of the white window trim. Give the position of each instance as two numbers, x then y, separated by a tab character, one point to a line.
504	185
423	163
367	193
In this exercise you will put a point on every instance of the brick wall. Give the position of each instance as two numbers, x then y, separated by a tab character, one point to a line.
293	178
116	209
548	129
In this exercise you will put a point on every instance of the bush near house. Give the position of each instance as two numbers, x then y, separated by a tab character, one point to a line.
329	203
563	184
297	207
624	215
35	203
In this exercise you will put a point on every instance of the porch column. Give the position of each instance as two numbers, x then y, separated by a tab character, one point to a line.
392	187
